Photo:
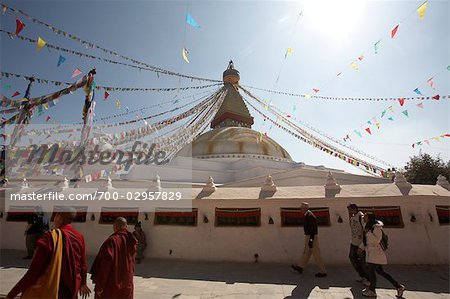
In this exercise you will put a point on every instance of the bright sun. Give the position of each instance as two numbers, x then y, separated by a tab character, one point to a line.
335	19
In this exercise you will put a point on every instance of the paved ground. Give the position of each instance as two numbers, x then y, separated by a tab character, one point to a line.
181	279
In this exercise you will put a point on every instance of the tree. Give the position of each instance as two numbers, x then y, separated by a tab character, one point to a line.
424	169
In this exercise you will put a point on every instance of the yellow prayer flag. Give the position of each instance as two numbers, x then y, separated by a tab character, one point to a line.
118	103
184	53
308	96
289	52
354	66
421	10
45	105
40	43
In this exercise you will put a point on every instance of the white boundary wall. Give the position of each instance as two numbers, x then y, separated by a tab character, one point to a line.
420	242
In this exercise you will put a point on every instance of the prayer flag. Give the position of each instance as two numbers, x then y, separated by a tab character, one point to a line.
184	53
394	31
376	46
190	20
316	90
118	103
106	95
47	118
354	66
61	60
4	8
368	131
75	73
19	26
436	97
421	10
383	113
418	91
40	43
431	82
420	105
360	58
405	112
401	101
288	52
15	94
390	118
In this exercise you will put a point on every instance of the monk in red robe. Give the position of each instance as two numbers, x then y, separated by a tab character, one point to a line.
58	268
113	268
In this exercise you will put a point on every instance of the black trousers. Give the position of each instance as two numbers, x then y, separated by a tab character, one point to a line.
358	261
374	269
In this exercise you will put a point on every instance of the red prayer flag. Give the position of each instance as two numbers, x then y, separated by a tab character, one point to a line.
75	73
394	31
413	145
402	101
48	118
368	131
19	26
316	90
4	137
436	97
106	95
15	94
361	57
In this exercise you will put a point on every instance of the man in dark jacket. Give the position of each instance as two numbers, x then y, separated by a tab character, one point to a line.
37	226
113	268
311	242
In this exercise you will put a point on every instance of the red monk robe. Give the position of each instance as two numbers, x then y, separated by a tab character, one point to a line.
73	268
113	268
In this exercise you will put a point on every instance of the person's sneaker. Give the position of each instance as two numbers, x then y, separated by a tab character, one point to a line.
297	268
365	282
369	293
321	275
400	291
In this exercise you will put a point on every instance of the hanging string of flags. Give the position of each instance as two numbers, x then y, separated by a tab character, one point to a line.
123	123
427	141
132	135
309	96
89	56
316	142
90	45
169	144
47	101
346	145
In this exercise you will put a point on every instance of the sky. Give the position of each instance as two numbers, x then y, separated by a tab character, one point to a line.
326	38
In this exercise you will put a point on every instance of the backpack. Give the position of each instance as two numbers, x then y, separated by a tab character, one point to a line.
384	243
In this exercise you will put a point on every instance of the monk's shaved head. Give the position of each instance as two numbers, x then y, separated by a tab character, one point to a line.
119	223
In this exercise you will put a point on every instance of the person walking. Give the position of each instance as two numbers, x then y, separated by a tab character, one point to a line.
58	268
37	226
376	257
113	267
142	243
357	231
311	246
